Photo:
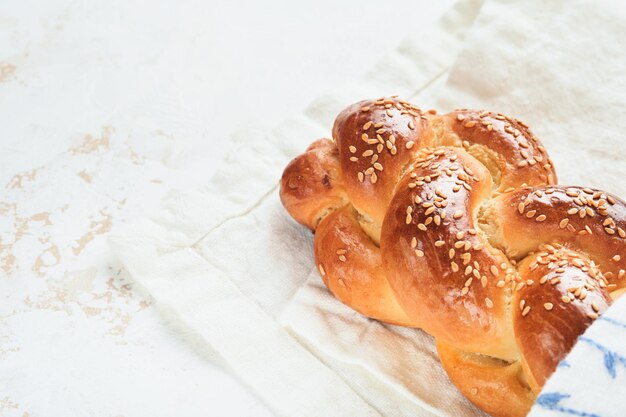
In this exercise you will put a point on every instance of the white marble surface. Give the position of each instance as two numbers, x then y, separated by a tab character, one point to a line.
104	106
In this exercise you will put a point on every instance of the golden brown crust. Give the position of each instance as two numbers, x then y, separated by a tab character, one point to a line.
312	185
376	139
504	144
496	386
442	270
564	293
453	224
351	267
589	220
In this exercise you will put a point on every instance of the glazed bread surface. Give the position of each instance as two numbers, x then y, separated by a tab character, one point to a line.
454	224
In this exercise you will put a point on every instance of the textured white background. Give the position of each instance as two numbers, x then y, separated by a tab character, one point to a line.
104	106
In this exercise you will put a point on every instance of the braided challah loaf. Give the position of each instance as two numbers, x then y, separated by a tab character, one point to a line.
454	224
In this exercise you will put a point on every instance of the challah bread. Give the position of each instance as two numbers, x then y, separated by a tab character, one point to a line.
454	224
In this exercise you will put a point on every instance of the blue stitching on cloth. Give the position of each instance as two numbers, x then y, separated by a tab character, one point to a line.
550	400
610	357
612	321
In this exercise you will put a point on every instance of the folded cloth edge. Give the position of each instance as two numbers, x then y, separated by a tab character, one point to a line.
169	252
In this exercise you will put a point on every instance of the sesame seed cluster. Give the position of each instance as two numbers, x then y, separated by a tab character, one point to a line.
575	274
567	210
455	222
528	151
377	137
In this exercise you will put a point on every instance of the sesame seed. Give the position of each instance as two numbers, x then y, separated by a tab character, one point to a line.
531	213
454	266
411	125
548	306
440	243
460	117
414	243
525	311
494	270
379	124
342	258
540	218
483	280
464	290
365	109
409	218
378	166
367	125
616	258
373	178
409	144
451	253
488	302
321	269
592	316
563	223
341	282
521	207
367	153
341	251
354	158
360	176
369	171
500	284
365	137
419	253
421	226
595	307
471	123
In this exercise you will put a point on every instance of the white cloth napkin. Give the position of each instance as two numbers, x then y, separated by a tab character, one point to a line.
229	262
